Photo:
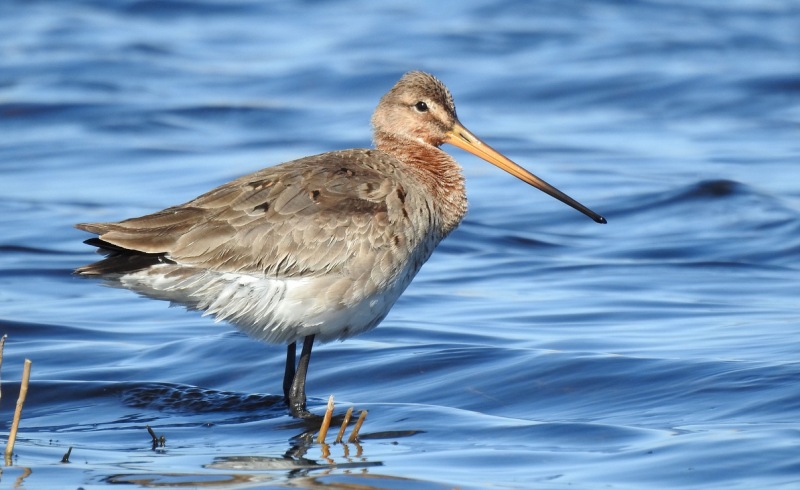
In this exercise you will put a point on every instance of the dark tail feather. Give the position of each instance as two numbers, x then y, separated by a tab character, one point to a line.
119	260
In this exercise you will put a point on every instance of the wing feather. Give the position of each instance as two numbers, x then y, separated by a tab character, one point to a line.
305	217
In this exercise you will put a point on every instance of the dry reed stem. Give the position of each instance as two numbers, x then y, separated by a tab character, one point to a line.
152	434
2	345
354	435
65	459
326	421
344	425
23	392
157	441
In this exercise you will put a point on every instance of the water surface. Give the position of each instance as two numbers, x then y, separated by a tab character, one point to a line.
536	349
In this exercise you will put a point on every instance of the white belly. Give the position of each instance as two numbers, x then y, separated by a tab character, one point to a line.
275	310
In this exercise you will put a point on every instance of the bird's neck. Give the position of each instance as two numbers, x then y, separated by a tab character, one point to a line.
439	172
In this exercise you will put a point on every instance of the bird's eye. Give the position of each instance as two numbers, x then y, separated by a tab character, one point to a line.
421	106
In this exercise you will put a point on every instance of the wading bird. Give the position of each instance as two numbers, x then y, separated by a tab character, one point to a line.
318	248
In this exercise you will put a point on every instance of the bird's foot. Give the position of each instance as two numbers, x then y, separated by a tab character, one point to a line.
298	408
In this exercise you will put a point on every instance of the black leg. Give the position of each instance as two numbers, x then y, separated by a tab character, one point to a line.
297	392
288	374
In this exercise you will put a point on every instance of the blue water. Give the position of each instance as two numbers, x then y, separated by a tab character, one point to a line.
536	349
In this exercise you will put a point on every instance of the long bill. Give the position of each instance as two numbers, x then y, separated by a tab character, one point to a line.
459	136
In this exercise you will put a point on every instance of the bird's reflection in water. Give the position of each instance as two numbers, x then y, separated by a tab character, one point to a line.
296	461
340	465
